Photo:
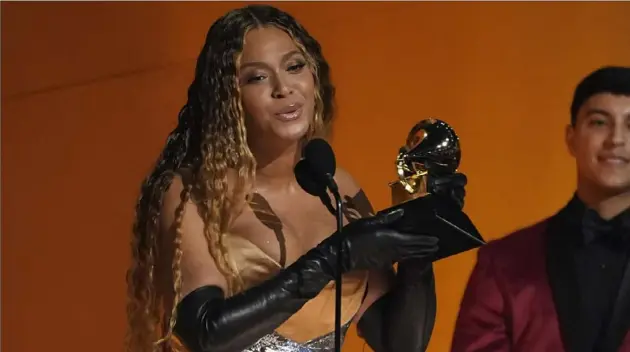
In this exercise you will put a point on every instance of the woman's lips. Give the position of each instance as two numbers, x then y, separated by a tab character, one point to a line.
289	115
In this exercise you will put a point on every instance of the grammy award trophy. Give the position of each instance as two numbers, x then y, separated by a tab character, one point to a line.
432	149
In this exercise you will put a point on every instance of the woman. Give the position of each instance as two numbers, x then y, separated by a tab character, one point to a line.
223	260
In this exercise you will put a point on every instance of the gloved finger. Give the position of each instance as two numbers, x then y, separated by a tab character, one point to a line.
422	249
459	194
415	239
388	216
418	253
453	180
441	191
460	178
447	191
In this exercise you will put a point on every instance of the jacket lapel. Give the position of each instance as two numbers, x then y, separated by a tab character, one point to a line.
620	320
564	285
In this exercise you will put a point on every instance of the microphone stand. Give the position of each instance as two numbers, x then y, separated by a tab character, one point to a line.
311	177
332	185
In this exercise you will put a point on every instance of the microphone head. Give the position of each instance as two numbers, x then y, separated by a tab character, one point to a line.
320	156
308	180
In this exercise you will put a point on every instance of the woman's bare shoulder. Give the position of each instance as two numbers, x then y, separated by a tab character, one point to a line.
347	183
181	215
357	203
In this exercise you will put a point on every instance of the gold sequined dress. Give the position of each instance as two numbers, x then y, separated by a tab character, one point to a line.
312	328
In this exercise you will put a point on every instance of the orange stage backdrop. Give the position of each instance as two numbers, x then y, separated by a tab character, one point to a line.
90	90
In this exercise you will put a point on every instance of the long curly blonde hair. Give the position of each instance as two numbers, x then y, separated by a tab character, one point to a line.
210	139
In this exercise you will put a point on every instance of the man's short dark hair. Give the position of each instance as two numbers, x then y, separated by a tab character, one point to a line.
608	79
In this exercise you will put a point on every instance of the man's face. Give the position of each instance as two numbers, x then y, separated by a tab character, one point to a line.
600	142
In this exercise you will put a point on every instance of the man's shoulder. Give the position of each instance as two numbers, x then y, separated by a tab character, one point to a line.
520	242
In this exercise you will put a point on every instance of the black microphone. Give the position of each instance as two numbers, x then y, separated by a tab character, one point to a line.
315	174
309	182
320	156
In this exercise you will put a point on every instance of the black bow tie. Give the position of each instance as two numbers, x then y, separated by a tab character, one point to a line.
616	230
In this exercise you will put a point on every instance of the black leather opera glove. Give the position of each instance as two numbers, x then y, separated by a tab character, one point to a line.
207	321
403	319
452	186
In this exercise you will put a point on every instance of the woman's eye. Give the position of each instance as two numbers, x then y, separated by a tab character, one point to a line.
256	78
296	67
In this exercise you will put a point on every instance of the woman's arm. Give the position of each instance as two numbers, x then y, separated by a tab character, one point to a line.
403	318
357	205
207	320
398	312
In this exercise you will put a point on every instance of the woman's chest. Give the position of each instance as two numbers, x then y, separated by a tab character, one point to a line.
284	229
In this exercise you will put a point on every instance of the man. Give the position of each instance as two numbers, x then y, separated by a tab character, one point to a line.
562	284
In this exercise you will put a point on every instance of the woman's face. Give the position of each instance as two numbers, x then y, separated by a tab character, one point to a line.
277	87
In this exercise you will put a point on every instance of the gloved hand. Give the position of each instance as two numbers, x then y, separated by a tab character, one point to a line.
370	244
207	321
451	186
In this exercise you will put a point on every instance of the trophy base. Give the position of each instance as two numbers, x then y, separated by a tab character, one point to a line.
432	215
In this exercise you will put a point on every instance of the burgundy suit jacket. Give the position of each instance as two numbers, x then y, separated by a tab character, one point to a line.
521	297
